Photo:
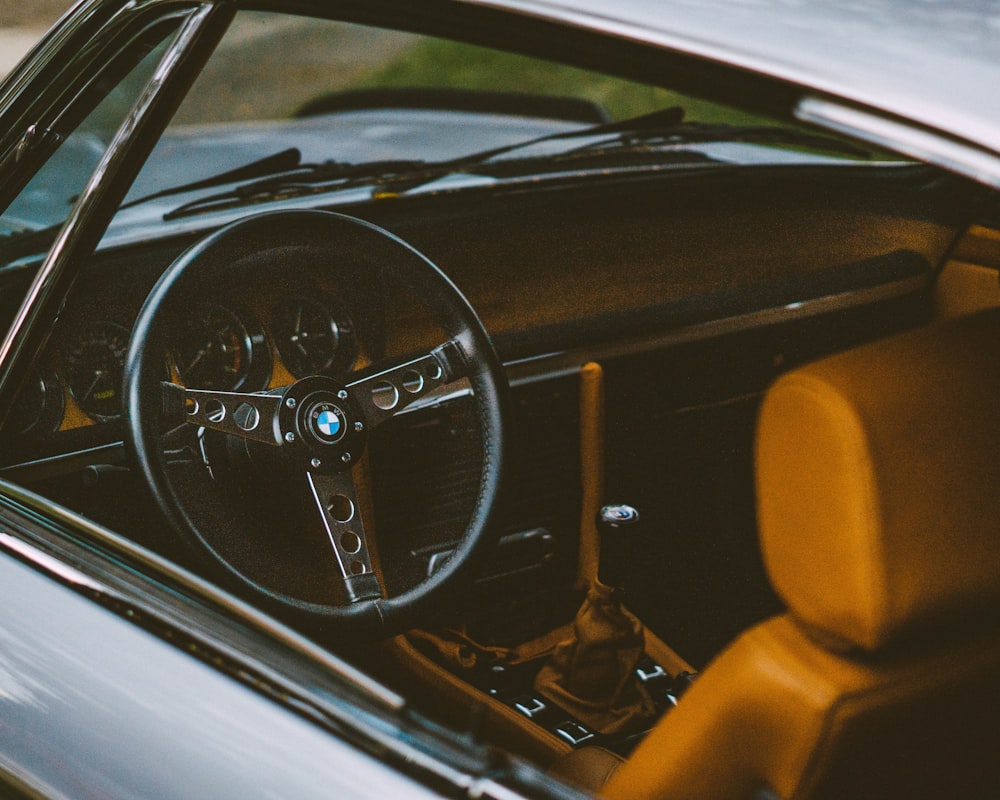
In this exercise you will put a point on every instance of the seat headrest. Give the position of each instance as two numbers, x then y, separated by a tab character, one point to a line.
878	483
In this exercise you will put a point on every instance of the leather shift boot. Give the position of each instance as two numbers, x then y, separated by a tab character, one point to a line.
592	674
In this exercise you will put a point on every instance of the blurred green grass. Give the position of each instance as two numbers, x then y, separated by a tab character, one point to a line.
442	63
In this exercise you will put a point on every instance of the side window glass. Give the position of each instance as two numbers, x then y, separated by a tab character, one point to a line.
46	200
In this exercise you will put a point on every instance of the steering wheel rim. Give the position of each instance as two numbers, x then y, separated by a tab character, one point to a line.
470	354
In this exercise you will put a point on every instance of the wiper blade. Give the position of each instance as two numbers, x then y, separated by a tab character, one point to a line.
281	162
394	175
653	121
20	244
301	178
695	132
663	127
33	242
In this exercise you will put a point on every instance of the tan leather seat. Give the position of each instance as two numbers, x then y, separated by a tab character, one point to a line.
878	480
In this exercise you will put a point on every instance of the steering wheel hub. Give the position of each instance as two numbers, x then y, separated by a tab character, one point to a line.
321	423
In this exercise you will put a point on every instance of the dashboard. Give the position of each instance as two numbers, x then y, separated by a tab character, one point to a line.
548	272
545	277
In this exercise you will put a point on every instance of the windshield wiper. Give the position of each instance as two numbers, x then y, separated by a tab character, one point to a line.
304	177
695	132
28	242
663	127
653	121
278	163
656	129
395	175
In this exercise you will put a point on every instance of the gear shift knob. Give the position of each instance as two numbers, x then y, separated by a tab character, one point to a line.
617	516
616	525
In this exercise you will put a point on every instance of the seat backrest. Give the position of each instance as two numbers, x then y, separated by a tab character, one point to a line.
878	485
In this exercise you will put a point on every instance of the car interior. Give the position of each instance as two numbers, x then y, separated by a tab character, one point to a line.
669	595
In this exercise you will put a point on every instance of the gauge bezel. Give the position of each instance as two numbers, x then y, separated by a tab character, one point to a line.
335	363
90	333
255	343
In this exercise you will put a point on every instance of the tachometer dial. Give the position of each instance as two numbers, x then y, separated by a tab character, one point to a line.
313	336
217	350
93	369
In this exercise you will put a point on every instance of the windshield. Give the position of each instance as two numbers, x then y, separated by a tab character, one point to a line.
357	95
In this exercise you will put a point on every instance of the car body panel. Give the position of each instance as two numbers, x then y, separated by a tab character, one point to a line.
92	706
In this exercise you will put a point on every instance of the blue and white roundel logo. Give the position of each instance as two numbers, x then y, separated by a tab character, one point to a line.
327	423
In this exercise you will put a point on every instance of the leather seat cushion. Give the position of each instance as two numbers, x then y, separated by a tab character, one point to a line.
589	767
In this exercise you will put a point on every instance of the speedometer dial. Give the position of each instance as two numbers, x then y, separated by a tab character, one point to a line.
93	369
218	350
313	336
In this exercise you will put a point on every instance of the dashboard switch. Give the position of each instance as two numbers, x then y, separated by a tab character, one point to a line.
573	732
529	705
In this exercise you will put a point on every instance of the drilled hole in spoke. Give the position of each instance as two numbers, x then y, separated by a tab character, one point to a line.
351	542
413	381
434	371
215	410
385	395
246	417
357	568
191	406
341	508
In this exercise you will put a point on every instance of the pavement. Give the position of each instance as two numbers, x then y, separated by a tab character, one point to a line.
14	43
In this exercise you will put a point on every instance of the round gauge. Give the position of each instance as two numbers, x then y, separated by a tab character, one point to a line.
217	350
93	369
313	336
38	407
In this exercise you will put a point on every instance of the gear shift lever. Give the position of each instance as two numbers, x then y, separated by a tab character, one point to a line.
615	524
592	674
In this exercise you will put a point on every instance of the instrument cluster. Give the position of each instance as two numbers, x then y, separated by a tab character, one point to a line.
221	346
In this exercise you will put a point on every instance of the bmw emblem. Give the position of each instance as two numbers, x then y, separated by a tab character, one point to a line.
327	422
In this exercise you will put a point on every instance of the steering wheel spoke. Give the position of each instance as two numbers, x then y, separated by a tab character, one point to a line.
386	393
335	495
247	415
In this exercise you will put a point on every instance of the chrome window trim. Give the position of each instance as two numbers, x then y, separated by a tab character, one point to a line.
935	148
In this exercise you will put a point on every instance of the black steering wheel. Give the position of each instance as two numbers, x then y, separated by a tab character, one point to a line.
299	445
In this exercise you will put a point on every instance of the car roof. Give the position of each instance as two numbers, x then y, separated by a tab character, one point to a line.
932	62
